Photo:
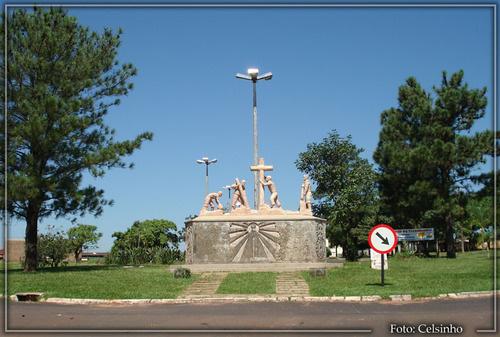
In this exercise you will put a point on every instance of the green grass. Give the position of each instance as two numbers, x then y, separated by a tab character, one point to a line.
248	283
98	281
419	277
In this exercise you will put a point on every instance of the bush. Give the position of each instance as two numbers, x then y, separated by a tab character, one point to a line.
317	272
142	255
149	241
53	248
182	273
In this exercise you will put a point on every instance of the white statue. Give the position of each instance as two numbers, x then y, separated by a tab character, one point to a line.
305	196
240	194
212	204
274	193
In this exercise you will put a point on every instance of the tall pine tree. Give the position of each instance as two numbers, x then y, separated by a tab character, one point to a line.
426	153
62	79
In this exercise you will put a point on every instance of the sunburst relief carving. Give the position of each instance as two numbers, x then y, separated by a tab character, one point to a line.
254	241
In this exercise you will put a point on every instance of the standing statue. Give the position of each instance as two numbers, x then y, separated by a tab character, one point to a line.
274	193
212	203
240	194
305	196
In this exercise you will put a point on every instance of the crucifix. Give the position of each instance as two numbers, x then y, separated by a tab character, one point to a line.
260	168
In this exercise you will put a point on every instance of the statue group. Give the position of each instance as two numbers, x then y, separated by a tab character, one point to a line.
263	232
239	202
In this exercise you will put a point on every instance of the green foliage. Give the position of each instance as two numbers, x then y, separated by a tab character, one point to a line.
182	273
53	248
83	237
62	81
426	155
345	191
149	241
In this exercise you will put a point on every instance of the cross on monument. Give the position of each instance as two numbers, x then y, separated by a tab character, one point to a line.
260	168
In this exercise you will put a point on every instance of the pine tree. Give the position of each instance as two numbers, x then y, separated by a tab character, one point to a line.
62	79
426	154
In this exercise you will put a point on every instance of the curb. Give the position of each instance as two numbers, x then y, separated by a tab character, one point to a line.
254	299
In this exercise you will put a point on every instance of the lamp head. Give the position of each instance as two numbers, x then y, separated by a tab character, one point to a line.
266	76
253	72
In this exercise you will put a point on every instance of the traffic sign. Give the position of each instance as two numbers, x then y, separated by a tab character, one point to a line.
382	238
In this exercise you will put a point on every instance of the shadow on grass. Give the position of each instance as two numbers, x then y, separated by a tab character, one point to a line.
66	269
379	284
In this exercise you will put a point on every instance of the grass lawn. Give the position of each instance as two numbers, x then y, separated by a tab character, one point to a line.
98	281
419	277
248	283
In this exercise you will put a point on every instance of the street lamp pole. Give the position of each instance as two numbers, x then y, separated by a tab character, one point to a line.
253	75
228	188
207	162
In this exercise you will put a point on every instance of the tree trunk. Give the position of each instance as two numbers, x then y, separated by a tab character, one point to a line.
78	255
31	239
450	240
462	239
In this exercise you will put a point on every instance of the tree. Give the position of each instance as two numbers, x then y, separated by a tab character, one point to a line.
83	237
426	154
62	80
345	190
148	241
53	247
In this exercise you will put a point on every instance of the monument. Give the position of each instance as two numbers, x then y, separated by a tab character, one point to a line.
265	234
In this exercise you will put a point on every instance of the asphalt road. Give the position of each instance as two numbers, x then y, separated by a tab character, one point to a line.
469	314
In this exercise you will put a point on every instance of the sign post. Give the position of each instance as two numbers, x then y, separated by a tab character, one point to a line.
382	269
382	239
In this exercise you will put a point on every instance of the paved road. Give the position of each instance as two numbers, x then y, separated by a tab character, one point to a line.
470	314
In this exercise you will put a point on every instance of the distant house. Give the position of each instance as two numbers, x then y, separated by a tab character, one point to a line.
86	256
15	250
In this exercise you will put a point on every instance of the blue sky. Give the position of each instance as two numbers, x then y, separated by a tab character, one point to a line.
333	68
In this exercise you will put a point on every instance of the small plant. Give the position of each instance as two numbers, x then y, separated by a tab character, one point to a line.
182	273
317	272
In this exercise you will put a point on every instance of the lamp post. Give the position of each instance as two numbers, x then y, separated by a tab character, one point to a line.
253	75
207	162
228	188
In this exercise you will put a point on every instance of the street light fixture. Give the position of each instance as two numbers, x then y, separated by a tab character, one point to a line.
253	75
207	162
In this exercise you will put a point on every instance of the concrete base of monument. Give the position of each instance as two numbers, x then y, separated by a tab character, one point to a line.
256	267
255	238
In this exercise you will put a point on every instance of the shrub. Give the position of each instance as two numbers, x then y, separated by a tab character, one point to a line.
182	273
317	272
149	241
53	248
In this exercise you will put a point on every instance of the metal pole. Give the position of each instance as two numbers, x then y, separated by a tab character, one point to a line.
256	200
206	179
382	269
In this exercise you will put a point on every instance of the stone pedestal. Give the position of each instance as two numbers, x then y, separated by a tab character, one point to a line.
255	239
